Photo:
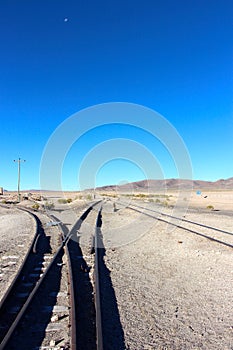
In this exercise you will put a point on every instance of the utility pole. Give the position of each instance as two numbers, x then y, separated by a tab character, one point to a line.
19	162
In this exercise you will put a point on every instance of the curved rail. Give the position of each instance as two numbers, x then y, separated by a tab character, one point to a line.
73	280
9	336
19	273
29	300
12	327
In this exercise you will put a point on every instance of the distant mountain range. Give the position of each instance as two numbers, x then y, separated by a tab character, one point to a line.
171	184
156	185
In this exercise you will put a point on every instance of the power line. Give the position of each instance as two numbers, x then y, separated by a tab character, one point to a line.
19	161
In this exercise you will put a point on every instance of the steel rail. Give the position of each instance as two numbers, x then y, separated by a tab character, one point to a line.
99	333
73	311
19	273
72	302
23	310
184	220
34	291
185	228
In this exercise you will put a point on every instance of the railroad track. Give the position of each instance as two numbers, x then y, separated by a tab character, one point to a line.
61	306
211	233
25	281
47	309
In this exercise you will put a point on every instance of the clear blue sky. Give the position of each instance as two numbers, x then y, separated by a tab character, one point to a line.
60	56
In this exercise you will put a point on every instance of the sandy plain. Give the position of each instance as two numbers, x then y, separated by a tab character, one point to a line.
174	289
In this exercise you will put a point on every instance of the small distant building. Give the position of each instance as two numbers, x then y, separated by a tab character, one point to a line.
1	191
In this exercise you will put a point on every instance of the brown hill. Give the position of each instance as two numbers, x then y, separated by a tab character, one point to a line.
171	184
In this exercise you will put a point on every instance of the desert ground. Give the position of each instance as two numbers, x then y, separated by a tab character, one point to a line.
172	289
17	230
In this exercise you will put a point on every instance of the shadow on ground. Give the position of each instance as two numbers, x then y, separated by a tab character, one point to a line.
113	335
